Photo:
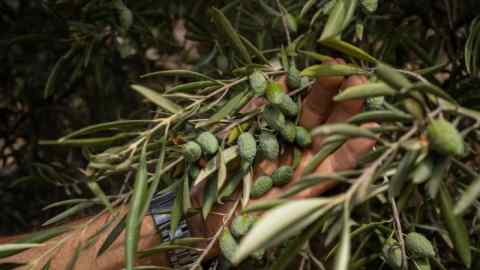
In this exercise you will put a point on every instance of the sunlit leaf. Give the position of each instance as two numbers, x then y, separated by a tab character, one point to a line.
348	49
136	205
224	25
456	227
468	197
331	70
157	98
274	222
228	154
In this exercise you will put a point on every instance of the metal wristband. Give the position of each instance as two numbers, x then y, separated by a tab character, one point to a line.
160	211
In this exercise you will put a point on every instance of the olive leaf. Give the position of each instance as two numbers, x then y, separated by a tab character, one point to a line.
224	26
342	258
348	130
273	222
212	166
331	70
135	210
232	106
455	226
365	91
348	49
157	98
469	196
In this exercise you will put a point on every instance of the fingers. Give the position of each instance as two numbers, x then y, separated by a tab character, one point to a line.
342	111
318	103
349	153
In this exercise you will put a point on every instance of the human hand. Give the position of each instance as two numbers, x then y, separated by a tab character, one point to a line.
317	108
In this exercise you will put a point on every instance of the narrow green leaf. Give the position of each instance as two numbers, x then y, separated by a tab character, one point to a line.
229	154
7	250
231	185
455	226
159	171
365	91
254	50
192	86
224	26
222	169
263	205
182	243
209	196
348	49
336	20
157	98
114	234
34	238
52	78
105	126
247	182
400	177
331	70
380	116
316	56
232	106
468	197
322	154
10	266
89	141
272	223
178	73
343	255
439	172
432	89
308	5
176	212
136	205
67	213
348	130
97	190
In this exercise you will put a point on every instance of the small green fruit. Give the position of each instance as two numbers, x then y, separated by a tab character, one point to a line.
288	132
303	137
241	225
228	244
419	245
261	186
294	80
288	106
269	146
392	254
192	151
274	93
445	138
208	142
274	117
258	83
247	147
282	175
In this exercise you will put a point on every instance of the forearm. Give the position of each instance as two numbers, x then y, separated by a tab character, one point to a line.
63	247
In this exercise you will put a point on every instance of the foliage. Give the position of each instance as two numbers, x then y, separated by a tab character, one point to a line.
421	58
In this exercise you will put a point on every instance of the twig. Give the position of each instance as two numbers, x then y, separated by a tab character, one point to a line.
398	226
214	239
